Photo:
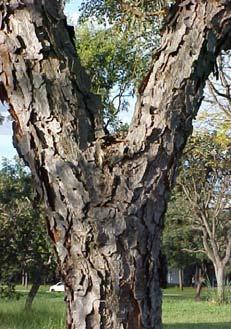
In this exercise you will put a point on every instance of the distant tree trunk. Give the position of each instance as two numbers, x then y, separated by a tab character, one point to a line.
181	279
23	277
199	279
25	280
220	277
33	291
105	197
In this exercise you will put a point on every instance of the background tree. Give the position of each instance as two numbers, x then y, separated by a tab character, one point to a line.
116	49
105	197
177	236
206	185
180	243
139	21
204	191
111	62
24	246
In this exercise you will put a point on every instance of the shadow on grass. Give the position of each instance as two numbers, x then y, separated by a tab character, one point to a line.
226	325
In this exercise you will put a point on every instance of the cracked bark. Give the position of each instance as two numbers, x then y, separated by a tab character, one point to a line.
105	198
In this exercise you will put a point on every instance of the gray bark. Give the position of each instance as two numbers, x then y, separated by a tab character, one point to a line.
105	197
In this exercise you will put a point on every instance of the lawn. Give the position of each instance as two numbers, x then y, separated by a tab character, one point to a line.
48	312
179	312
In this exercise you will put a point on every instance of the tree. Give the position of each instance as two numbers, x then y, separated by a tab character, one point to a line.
23	243
105	197
111	62
177	235
116	56
139	21
205	182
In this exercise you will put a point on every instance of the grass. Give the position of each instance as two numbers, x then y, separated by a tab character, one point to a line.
48	312
179	312
182	312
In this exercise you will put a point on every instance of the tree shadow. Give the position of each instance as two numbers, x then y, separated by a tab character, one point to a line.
225	325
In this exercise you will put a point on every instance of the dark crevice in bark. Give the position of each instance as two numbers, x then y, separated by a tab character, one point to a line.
49	190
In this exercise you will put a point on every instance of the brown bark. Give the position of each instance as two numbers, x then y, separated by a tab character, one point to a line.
105	198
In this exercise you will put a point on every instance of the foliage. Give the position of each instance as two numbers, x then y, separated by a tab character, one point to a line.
23	243
111	62
136	16
8	292
116	49
199	209
211	295
177	235
137	23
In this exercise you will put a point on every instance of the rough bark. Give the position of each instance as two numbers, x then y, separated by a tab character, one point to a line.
105	197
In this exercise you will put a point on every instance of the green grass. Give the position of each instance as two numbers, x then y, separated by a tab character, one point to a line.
179	312
48	312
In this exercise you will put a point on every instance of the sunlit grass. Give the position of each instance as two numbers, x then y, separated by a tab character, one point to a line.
180	311
48	312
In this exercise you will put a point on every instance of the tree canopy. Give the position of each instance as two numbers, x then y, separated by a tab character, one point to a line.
199	210
24	245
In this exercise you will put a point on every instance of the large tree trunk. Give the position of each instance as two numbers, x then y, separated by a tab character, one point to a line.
106	198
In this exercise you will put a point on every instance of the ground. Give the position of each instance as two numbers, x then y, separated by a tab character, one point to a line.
179	312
